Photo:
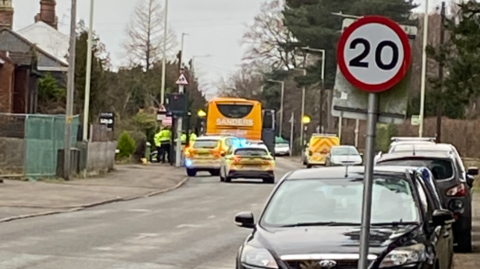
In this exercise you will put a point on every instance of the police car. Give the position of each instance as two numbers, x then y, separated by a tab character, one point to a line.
247	160
205	154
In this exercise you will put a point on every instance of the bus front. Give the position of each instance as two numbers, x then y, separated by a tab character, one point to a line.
235	116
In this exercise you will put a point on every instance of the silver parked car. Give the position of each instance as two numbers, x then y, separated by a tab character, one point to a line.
343	155
282	149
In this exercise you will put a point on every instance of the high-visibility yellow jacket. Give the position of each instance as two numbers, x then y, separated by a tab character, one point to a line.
158	142
165	135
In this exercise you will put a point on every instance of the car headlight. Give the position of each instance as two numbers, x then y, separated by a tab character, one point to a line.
259	257
404	256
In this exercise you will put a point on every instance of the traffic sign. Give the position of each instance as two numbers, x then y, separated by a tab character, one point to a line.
374	54
182	80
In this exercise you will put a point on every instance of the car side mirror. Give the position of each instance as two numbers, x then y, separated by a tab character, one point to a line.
473	171
442	217
245	220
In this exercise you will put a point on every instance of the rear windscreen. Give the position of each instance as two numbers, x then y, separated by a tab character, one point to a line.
205	144
251	152
441	168
235	111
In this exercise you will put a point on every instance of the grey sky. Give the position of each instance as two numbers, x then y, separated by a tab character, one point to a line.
215	27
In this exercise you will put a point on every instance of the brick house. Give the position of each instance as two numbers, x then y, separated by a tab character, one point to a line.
33	51
18	82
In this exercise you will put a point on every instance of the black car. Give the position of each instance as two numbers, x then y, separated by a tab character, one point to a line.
312	220
451	183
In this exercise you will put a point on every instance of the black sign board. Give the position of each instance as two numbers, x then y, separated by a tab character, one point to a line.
107	119
176	104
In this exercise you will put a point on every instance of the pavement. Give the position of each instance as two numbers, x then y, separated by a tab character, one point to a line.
20	199
188	228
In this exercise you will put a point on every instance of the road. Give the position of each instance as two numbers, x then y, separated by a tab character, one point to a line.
189	228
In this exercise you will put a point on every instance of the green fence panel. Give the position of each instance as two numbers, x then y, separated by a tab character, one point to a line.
44	135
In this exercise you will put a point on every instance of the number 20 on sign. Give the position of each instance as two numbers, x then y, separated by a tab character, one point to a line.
374	54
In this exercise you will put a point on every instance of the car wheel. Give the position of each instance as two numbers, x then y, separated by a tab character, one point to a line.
191	172
228	179
215	172
464	242
309	166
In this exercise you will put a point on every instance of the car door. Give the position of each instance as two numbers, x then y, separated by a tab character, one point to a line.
441	237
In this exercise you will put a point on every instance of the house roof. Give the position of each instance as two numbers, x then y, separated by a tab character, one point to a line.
21	58
48	39
38	49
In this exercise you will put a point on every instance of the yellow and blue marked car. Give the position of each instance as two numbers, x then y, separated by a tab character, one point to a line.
246	160
205	154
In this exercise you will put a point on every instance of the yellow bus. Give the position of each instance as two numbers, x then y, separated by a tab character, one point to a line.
235	116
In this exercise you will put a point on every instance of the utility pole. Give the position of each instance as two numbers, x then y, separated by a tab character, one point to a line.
322	89
181	82
88	74
440	77
164	60
292	127
70	90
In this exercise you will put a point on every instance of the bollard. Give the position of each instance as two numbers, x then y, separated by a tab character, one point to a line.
147	152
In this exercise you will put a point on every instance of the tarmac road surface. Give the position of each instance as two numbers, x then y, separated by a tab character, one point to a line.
189	228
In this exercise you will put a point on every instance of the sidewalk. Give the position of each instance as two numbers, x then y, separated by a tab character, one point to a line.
18	198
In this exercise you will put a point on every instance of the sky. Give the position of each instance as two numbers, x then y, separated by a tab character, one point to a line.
214	27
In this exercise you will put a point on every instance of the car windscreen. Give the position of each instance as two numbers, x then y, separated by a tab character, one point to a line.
205	144
340	200
441	168
344	151
247	152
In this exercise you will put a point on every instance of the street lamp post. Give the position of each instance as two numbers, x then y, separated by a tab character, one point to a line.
424	70
282	94
303	102
322	77
88	74
180	58
164	60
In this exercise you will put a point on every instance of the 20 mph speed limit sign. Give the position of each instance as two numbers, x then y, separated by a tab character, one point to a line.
374	54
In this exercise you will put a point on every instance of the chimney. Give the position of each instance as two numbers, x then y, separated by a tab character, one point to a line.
47	13
6	14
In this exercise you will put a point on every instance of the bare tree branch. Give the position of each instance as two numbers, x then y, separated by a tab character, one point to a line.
145	35
268	39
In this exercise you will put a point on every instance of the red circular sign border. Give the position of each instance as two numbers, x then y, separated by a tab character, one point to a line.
406	59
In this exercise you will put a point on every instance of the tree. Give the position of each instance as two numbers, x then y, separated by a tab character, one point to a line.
313	24
269	41
460	56
245	83
51	98
99	98
145	35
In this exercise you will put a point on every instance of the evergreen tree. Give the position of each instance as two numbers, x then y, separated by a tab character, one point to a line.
460	56
312	23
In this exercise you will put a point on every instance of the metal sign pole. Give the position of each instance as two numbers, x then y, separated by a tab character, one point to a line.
178	146
374	75
368	178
